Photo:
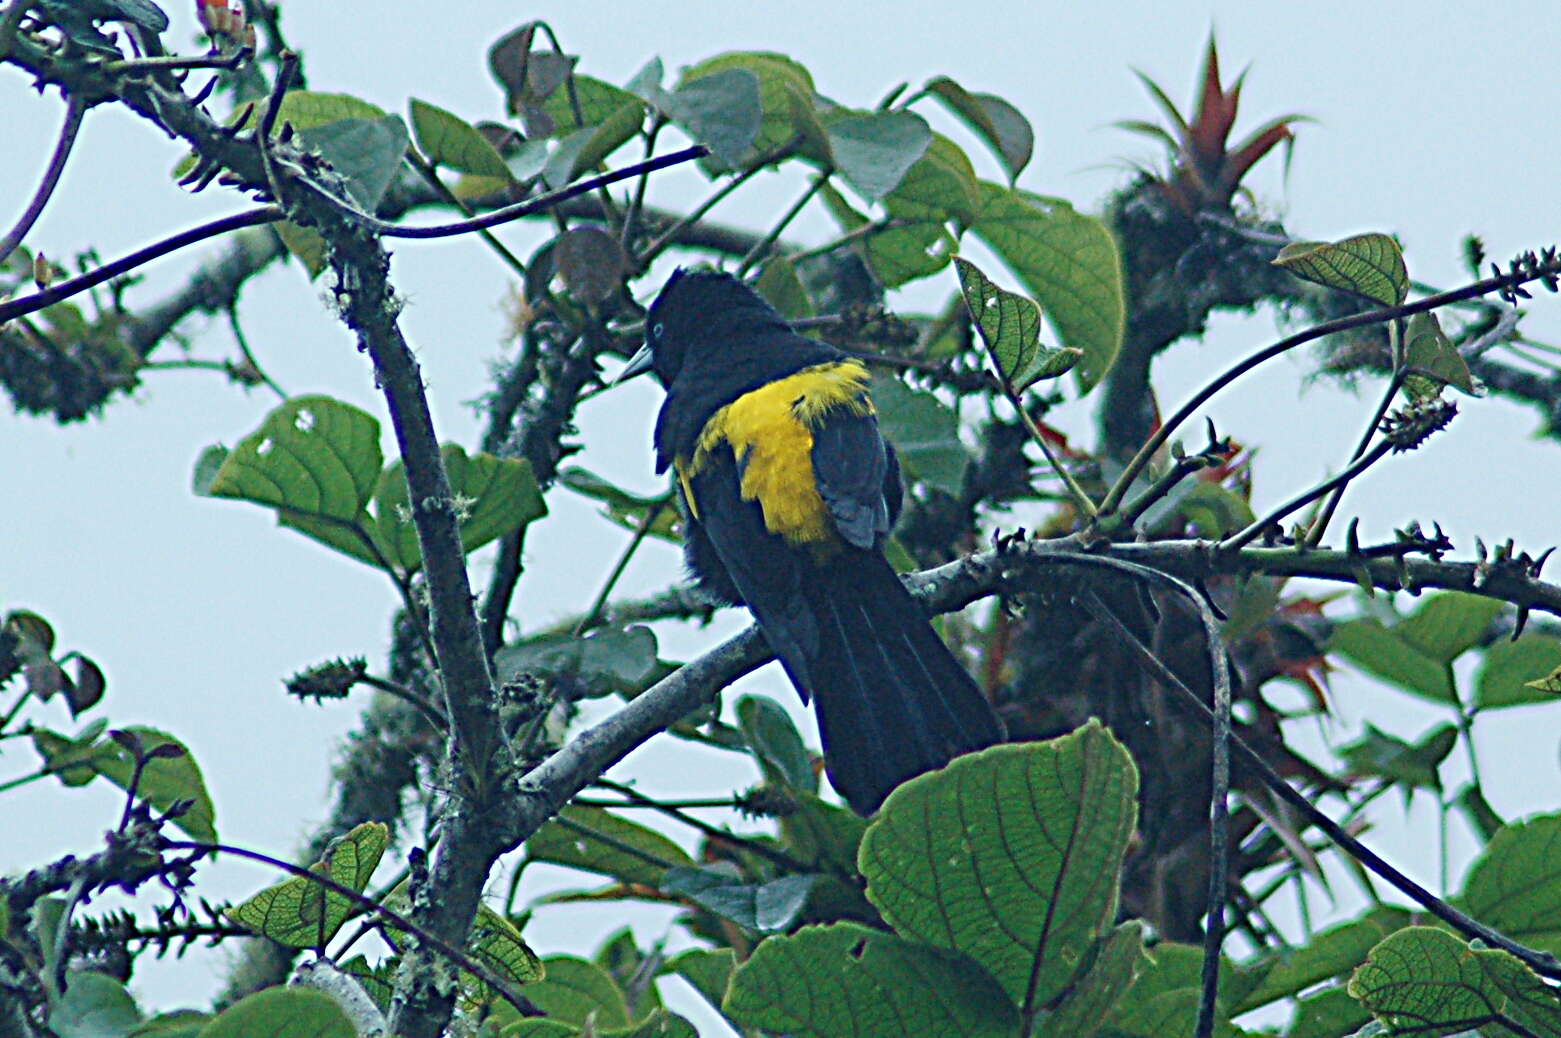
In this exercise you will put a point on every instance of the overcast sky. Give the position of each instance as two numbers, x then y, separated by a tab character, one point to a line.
1433	121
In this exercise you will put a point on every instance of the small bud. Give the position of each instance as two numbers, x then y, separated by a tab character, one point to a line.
43	271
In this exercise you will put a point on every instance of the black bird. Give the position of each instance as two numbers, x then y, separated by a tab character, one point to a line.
789	493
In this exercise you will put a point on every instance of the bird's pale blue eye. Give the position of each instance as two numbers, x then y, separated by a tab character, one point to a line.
657	329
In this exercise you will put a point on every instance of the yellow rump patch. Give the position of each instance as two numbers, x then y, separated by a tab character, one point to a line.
770	432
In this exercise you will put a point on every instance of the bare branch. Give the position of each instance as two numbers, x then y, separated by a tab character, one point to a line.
75	108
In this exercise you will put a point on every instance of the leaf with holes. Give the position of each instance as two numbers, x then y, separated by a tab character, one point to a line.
1022	847
313	455
845	981
449	140
1068	261
1010	325
1370	265
299	912
1423	980
1002	126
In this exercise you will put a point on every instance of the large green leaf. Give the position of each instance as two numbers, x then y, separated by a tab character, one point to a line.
1328	1013
1449	624
596	840
1330	953
1112	967
366	152
279	1012
169	776
299	912
1371	265
449	140
722	109
1004	128
775	743
1380	651
575	990
1512	669
873	151
1010	325
599	102
1515	884
847	981
766	907
1425	981
93	1005
1012	855
707	970
493	496
608	660
1069	263
313	455
925	434
785	93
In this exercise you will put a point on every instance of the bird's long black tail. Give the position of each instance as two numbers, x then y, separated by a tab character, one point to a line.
892	700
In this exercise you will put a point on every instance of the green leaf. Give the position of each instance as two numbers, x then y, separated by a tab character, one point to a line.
941	187
626	509
164	781
657	1024
1370	265
925	434
366	152
1033	832
585	149
497	944
627	850
599	102
1214	510
825	835
493	496
875	150
307	109
1113	966
1515	884
1002	126
1433	358
1449	624
306	246
1412	766
785	93
1513	673
575	990
1010	325
313	455
722	110
760	907
779	284
708	970
1481	816
1163	1001
94	1005
1068	262
1326	1014
282	1013
608	660
775	743
591	261
846	981
299	912
537	1027
1380	651
1331	953
181	1023
449	140
1423	980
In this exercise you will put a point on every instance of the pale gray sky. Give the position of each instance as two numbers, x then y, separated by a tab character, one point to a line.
1434	120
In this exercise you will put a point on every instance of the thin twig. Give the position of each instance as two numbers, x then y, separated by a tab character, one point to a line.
1543	963
249	357
368	904
715	832
631	218
20	307
1301	500
75	108
765	244
1319	526
640	531
671	234
174	63
430	711
1149	449
431	175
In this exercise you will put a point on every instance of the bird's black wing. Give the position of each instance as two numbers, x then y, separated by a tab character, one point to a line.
853	468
